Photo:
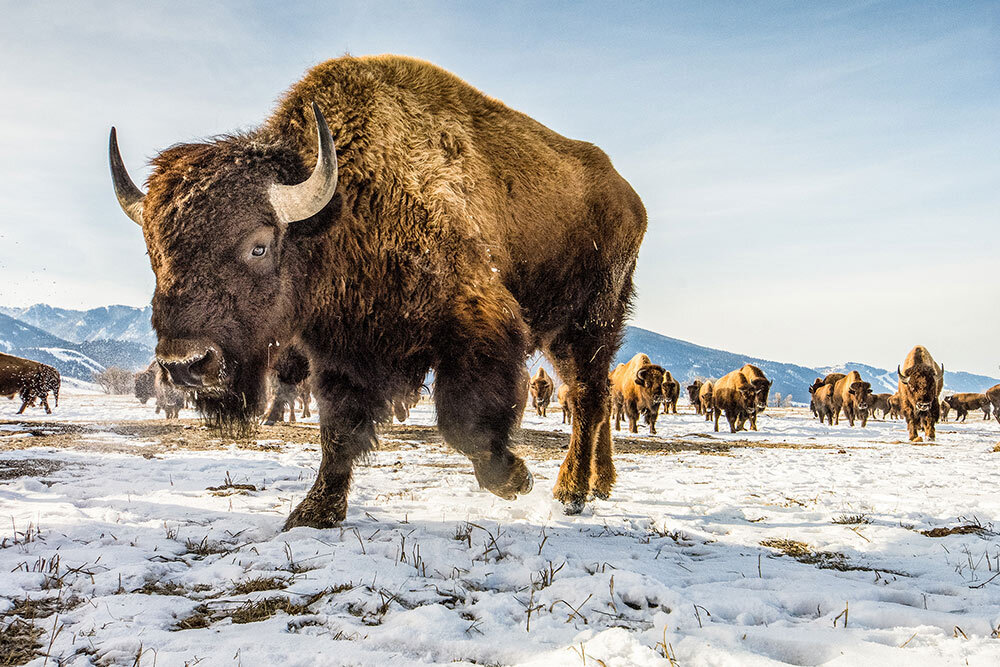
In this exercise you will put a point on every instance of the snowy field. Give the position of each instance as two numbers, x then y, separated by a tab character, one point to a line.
802	544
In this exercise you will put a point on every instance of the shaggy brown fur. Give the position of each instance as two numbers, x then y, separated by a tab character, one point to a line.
823	399
850	395
964	403
693	391
671	393
895	409
541	389
145	382
761	388
993	394
737	397
636	389
289	381
462	236
879	402
705	399
567	409
920	384
30	379
169	398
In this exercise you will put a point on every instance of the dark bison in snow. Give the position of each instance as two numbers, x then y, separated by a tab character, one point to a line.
965	403
993	394
31	380
145	383
920	384
449	232
693	390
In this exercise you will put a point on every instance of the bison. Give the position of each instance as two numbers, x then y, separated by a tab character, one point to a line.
541	389
830	379
705	399
966	402
993	394
567	410
169	398
879	402
289	380
450	233
671	393
895	410
31	380
145	383
403	404
825	404
636	389
693	391
920	384
850	394
761	387
737	397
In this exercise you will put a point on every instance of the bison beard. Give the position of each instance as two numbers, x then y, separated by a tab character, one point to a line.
450	232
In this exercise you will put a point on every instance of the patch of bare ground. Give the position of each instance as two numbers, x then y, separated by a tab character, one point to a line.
160	436
825	560
12	469
250	611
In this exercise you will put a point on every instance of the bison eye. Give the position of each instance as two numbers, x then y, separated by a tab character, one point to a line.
258	250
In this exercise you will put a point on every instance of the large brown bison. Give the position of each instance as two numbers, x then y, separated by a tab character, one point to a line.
761	388
993	394
693	390
450	232
705	399
920	384
145	382
541	389
31	380
850	395
671	393
966	402
737	397
636	389
830	379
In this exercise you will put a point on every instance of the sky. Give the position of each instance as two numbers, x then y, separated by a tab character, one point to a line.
822	179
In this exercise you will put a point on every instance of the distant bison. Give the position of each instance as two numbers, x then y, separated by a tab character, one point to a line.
541	389
169	398
920	384
289	380
403	404
761	388
966	402
671	393
567	409
830	379
693	390
879	402
895	409
31	380
737	397
636	389
993	394
705	399
850	395
451	233
145	382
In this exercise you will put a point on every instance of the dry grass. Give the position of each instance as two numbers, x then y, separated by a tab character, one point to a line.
826	560
258	584
251	611
963	529
852	519
18	642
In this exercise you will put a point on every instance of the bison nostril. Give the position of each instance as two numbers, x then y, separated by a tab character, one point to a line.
186	373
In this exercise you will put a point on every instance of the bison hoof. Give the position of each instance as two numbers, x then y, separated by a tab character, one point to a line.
318	513
573	507
600	495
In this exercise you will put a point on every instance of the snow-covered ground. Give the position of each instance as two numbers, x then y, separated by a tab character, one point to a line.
429	569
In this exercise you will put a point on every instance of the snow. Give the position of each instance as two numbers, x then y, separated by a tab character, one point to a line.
672	564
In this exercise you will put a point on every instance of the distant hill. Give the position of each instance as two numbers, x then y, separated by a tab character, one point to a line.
122	323
73	360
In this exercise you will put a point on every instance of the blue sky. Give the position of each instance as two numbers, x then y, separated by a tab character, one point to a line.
822	179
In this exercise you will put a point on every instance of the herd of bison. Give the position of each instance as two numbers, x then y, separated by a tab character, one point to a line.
639	389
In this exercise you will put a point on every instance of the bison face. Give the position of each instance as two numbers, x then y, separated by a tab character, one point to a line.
761	388
862	392
922	386
223	233
650	378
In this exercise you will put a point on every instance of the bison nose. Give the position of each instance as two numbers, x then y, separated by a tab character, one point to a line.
189	372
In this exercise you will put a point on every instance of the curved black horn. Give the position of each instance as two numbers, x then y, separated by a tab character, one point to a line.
297	202
130	197
901	376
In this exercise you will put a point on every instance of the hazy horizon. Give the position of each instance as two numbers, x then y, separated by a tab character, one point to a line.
821	178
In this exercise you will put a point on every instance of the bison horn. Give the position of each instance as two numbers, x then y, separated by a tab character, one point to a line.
901	376
130	197
297	202
942	370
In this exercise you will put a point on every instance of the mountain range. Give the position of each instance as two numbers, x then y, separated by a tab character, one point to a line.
78	342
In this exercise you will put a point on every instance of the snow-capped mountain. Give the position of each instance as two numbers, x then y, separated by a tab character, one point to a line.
123	323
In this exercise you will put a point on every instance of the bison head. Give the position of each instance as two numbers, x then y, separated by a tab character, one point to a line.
693	390
761	388
223	229
862	392
921	383
650	378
